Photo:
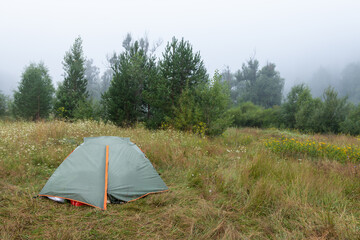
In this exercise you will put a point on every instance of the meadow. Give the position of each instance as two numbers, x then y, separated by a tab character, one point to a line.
245	184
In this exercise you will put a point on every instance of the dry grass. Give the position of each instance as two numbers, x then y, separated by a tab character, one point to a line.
229	187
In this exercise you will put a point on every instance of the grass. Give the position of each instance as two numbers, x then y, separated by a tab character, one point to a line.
229	187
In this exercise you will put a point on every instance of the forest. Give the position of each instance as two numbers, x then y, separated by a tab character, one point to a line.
176	91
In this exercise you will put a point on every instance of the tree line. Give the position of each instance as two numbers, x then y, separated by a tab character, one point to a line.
176	91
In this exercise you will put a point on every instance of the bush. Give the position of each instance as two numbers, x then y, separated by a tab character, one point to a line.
187	114
247	115
351	125
298	95
204	109
334	111
308	115
272	117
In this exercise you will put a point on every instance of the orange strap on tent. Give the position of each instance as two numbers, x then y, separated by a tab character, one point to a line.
106	175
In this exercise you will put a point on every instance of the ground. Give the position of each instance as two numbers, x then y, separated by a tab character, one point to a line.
245	184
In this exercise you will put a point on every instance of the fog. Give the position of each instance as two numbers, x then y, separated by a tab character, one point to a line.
300	37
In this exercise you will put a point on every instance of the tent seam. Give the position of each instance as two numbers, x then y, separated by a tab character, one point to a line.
106	175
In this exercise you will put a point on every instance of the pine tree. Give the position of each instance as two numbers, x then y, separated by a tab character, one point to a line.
92	75
181	69
73	89
133	72
261	87
33	99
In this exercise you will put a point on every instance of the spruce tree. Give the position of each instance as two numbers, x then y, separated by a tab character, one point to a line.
72	90
33	99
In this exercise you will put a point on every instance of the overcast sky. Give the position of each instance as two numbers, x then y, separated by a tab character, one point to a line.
298	36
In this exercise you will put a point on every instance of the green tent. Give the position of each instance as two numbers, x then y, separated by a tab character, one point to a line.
104	168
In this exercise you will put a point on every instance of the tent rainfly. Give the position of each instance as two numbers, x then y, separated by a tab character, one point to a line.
101	169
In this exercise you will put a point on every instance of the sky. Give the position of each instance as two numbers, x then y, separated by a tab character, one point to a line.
298	36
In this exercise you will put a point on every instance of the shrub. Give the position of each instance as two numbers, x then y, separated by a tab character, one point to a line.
247	115
351	125
204	109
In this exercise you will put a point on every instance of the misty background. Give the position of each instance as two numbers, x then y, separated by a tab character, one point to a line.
309	41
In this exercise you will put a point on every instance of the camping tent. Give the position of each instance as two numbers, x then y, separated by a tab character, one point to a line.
104	168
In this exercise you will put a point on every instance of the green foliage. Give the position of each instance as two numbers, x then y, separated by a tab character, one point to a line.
309	114
92	75
73	89
204	109
261	87
33	99
181	69
334	111
214	101
267	91
2	104
351	125
247	114
295	98
308	117
235	87
272	117
143	91
88	110
134	72
155	95
187	114
155	98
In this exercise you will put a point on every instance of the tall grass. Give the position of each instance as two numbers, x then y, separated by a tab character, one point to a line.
229	187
